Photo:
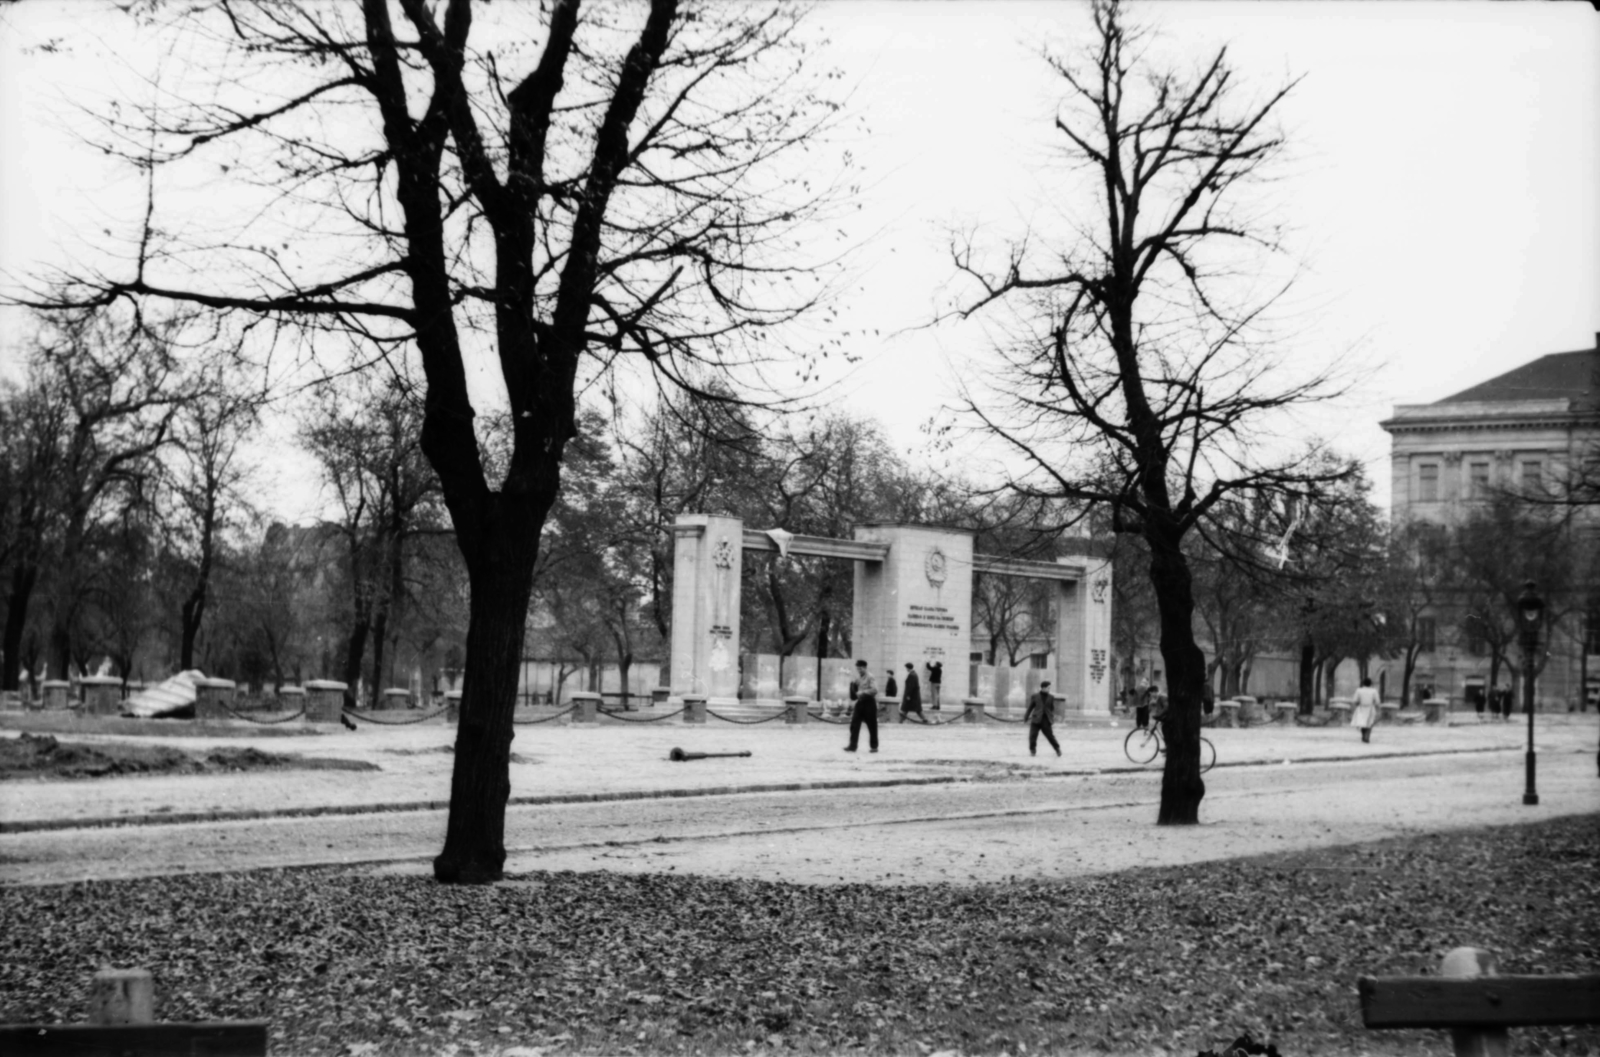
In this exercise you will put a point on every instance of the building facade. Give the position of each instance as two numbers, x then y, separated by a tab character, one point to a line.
1529	432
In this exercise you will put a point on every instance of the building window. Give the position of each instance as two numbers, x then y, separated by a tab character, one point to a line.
1038	660
1476	645
1478	476
1428	482
1532	476
1427	633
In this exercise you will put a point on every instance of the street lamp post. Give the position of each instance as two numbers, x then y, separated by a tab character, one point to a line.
1530	611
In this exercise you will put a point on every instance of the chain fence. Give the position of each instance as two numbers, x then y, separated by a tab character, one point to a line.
1005	719
353	714
642	719
746	722
263	722
543	719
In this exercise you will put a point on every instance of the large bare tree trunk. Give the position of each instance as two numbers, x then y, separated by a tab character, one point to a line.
502	582
23	577
1182	788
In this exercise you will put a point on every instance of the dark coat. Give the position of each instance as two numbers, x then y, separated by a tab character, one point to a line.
1041	708
912	698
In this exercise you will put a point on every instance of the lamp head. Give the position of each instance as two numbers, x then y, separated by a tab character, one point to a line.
1530	607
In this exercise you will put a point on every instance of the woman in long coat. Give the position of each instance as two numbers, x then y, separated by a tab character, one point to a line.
1364	712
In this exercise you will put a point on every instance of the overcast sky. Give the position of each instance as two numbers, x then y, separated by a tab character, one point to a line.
1442	182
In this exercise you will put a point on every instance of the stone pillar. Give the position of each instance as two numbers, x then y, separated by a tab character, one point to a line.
452	706
1083	639
396	697
916	605
585	706
972	709
324	700
210	695
694	708
292	698
707	555
796	708
102	695
53	693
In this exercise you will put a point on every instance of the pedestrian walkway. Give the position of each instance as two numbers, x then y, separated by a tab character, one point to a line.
558	762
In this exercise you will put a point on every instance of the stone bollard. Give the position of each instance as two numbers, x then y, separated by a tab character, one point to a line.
796	708
212	697
102	695
887	707
122	996
972	709
585	706
396	697
452	706
324	700
53	693
660	695
292	698
694	708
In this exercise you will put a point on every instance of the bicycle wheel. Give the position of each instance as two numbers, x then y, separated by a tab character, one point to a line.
1141	745
1208	755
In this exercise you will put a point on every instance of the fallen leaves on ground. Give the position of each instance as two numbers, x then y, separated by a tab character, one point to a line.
1166	961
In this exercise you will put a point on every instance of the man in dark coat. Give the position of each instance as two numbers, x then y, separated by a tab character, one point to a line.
911	702
1041	718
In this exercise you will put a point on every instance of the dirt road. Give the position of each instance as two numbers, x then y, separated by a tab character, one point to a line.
974	832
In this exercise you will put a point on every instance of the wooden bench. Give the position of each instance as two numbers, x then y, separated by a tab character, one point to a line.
1475	1003
121	1024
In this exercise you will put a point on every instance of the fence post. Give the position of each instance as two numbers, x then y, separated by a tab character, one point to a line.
694	708
1465	963
586	706
796	708
324	700
53	694
122	996
972	709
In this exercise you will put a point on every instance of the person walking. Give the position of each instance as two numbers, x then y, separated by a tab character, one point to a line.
1141	713
1364	709
865	694
911	700
935	677
1041	716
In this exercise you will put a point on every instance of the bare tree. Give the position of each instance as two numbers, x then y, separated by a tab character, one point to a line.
1137	366
548	188
117	381
206	477
33	421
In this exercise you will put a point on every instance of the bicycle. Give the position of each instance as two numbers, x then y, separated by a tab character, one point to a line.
1144	744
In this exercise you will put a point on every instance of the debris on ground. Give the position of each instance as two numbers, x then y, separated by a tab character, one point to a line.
45	756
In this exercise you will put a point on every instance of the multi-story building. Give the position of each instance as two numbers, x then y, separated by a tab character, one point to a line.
1530	432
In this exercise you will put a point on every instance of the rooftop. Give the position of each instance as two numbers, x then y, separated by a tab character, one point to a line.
1573	376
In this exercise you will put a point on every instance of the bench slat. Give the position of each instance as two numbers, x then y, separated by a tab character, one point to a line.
223	1038
1503	1001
